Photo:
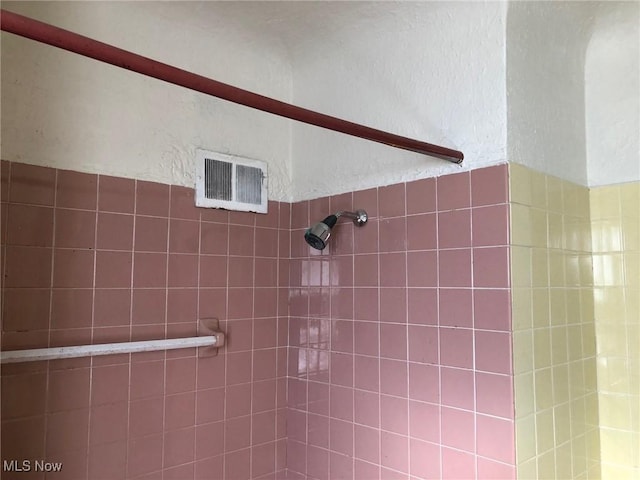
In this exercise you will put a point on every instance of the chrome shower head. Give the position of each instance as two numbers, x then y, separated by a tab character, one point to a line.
318	235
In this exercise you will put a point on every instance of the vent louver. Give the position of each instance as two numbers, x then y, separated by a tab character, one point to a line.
217	179
233	183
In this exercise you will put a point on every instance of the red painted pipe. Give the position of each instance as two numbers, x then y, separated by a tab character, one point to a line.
57	37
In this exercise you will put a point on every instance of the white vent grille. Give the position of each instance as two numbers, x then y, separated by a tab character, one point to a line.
233	183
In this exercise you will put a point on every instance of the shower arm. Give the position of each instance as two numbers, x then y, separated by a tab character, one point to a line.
103	52
359	217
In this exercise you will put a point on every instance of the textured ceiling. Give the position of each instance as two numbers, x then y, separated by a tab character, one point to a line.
297	26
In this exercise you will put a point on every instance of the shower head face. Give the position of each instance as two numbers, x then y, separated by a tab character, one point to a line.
318	235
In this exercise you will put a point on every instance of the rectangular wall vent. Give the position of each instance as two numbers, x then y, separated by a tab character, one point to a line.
230	182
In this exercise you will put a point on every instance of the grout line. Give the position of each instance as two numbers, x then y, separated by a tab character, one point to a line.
166	330
406	323
473	337
439	326
197	319
93	316
252	373
48	363
4	236
133	240
226	362
378	283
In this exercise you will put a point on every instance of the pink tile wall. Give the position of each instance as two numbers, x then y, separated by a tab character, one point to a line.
399	337
92	259
398	358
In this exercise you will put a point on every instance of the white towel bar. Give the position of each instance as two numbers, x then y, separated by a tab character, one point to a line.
209	327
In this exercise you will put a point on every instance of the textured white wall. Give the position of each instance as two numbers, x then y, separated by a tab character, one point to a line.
497	83
429	70
546	44
612	95
573	89
434	71
67	111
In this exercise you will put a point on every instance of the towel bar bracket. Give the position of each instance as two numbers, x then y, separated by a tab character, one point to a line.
210	327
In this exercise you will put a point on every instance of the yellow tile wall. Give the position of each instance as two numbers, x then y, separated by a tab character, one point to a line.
554	334
615	226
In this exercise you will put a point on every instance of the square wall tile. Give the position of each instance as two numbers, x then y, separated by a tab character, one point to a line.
491	267
300	215
456	347
456	307
341	436
393	377
490	225
182	203
423	344
424	421
457	388
24	395
74	268
391	200
393	269
27	267
76	190
454	229
392	235
179	447
367	373
495	438
214	238
341	402
152	199
422	269
458	427
29	225
367	200
393	306
340	466
367	441
115	232
75	228
394	451
425	459
421	196
493	352
490	185
184	236
112	307
110	461
71	308
151	234
367	408
25	309
454	269
365	270
422	305
67	431
393	340
113	269
116	194
492	309
32	184
150	270
454	191
422	232
494	395
424	382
